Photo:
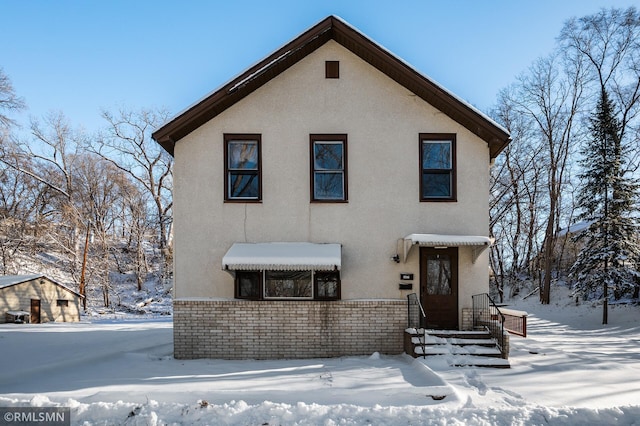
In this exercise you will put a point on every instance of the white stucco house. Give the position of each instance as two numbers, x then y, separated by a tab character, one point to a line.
314	192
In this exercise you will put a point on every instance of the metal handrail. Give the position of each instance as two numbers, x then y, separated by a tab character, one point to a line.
417	319
487	314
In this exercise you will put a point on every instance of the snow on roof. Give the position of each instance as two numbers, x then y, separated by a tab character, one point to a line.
415	69
575	228
361	45
479	243
283	257
448	240
9	280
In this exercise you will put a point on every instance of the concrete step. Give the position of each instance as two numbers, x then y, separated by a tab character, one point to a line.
447	334
457	334
458	350
433	340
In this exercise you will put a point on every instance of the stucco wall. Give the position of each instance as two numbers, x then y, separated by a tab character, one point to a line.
383	122
18	298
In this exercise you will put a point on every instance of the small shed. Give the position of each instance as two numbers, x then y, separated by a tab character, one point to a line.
43	299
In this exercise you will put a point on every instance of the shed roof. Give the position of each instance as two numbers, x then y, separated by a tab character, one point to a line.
332	28
283	256
478	243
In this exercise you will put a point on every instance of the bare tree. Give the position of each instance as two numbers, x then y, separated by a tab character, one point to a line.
14	208
516	190
541	108
608	43
551	101
101	188
20	218
129	147
135	212
9	102
551	97
54	193
49	160
56	156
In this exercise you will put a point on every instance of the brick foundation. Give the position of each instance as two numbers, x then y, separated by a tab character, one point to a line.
467	319
240	329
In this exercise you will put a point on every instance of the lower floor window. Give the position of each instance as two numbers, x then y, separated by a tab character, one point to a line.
287	284
248	285
327	285
62	303
259	285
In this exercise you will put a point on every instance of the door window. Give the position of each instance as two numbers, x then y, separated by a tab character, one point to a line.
438	274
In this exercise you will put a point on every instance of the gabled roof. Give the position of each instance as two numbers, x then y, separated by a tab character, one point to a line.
11	280
332	28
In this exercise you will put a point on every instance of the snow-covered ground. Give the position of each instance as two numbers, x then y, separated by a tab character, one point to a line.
571	370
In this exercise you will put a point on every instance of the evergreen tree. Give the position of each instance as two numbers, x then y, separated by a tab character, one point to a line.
607	260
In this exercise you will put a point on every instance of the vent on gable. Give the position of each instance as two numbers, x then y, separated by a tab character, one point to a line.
332	69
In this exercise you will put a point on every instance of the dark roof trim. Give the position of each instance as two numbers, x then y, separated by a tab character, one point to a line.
332	28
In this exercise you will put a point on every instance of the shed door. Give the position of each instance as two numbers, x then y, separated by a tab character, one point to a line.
35	311
439	286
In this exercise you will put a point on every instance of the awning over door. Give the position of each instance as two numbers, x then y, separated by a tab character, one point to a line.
478	243
283	257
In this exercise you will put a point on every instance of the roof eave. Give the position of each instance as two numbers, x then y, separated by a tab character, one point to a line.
233	91
336	29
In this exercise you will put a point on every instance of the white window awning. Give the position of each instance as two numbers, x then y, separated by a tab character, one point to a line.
479	243
283	257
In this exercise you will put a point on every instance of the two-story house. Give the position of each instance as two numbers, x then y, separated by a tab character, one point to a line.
314	192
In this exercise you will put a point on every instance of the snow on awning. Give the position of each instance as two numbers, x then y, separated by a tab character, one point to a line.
479	243
283	257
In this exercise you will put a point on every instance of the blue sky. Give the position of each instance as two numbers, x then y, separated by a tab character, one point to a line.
79	57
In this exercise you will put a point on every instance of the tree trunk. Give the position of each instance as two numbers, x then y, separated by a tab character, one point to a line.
545	295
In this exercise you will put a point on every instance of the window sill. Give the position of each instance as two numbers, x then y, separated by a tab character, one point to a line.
243	201
438	200
287	300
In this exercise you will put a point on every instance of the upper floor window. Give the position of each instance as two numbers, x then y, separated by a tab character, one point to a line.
242	167
329	168
437	167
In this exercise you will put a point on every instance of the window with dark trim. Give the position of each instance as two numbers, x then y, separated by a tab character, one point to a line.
287	285
62	303
326	285
242	167
249	285
329	168
437	167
